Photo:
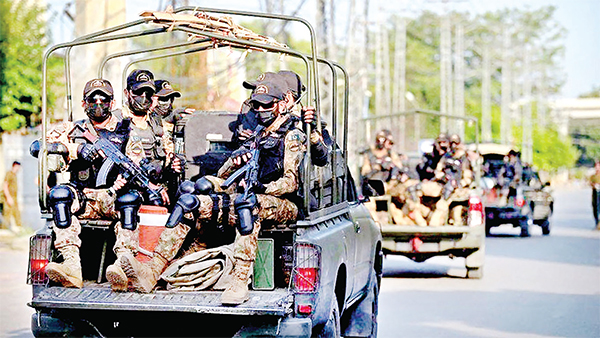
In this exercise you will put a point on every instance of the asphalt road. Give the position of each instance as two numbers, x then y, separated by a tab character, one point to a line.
543	286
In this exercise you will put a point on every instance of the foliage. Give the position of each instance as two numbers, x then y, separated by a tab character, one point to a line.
22	43
595	92
551	151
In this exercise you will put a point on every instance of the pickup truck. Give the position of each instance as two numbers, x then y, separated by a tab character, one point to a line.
529	203
317	277
420	243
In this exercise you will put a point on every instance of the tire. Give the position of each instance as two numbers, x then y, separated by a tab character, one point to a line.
525	224
475	273
545	225
332	328
362	319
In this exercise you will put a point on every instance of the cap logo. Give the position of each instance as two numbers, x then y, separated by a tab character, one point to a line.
97	83
261	77
143	77
166	85
261	89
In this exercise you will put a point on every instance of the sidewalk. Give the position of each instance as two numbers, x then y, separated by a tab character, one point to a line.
11	241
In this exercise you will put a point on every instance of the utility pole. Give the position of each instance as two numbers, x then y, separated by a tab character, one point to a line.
486	105
505	120
445	66
398	100
459	79
527	116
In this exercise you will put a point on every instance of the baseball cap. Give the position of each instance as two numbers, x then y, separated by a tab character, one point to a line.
266	77
98	85
164	89
266	92
293	82
140	78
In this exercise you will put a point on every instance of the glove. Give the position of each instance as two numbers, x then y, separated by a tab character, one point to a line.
259	188
87	152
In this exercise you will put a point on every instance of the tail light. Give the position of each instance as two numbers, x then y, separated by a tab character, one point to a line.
520	202
39	255
307	265
475	211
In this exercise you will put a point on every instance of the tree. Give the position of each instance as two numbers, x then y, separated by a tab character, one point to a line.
594	92
22	42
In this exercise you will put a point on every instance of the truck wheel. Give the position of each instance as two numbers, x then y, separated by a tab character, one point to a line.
475	273
545	225
524	224
332	327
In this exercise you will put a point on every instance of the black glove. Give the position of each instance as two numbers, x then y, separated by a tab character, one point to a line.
259	188
87	152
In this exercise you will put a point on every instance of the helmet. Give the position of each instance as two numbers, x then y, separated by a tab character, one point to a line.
382	136
455	139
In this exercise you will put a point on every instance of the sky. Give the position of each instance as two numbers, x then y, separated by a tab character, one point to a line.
581	18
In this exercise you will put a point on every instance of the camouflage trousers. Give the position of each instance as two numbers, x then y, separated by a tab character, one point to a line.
271	211
11	215
96	204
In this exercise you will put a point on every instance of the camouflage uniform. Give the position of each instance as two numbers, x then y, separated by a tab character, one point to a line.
89	201
274	206
453	188
12	212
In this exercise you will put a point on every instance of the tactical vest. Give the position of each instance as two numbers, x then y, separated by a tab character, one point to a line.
151	139
272	149
84	173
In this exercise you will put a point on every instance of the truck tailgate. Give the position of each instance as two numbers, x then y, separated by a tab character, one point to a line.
277	302
401	238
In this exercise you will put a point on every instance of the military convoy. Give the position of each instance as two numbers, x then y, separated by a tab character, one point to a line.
319	276
402	236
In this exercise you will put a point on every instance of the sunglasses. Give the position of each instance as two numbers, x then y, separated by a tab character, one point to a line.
165	100
98	97
139	92
265	106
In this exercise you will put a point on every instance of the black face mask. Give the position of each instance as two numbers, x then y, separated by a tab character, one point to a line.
164	108
266	117
139	105
379	143
98	112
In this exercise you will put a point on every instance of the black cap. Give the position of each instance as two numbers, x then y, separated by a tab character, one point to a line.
164	89
266	77
140	78
98	85
266	92
293	81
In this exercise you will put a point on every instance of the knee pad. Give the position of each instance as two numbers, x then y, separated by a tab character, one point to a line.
186	187
128	205
204	187
61	199
185	204
243	209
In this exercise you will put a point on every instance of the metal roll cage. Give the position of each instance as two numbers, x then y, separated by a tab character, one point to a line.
311	62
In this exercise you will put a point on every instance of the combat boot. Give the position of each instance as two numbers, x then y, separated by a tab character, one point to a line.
116	275
143	276
67	273
439	216
237	291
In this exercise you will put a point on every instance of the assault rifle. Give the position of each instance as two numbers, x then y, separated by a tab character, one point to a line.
129	169
452	174
250	169
247	201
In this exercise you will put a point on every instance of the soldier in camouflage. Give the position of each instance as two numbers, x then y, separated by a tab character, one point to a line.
83	198
455	175
282	148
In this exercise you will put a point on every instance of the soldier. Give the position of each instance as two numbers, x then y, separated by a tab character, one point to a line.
290	82
379	161
139	92
282	149
595	184
455	175
163	114
426	169
10	188
82	197
510	175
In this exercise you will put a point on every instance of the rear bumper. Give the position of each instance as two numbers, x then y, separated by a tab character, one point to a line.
495	216
457	240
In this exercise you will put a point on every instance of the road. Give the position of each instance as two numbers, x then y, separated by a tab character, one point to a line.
543	286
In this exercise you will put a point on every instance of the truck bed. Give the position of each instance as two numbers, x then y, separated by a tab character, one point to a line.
276	302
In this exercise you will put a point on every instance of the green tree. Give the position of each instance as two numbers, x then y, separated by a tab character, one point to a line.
22	42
